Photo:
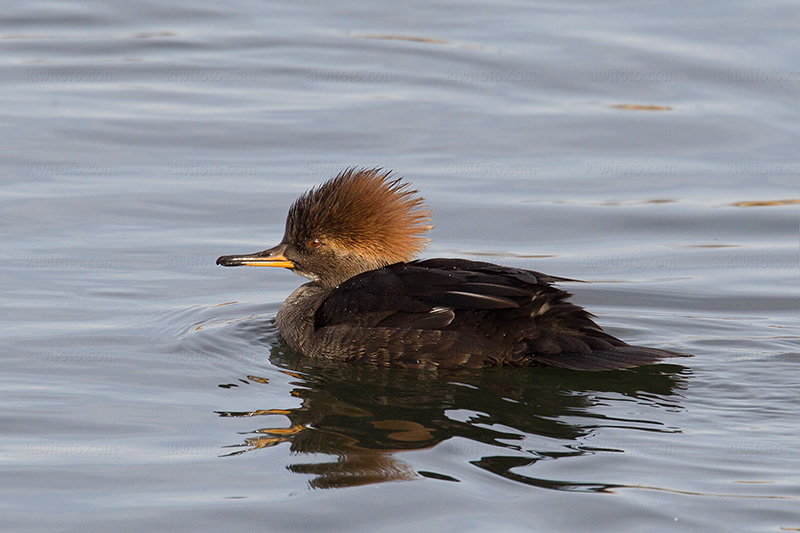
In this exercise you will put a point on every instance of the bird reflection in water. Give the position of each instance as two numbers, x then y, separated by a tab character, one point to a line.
364	416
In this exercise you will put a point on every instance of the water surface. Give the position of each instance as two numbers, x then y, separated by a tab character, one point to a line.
649	150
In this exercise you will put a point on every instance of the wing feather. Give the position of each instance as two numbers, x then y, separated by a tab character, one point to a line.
455	312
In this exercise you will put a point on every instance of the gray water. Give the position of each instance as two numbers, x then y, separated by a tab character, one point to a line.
650	149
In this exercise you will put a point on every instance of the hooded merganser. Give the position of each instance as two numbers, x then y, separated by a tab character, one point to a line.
355	237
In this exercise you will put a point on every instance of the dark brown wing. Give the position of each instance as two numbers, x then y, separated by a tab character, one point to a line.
467	313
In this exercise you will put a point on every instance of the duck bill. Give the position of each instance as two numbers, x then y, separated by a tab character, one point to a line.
268	258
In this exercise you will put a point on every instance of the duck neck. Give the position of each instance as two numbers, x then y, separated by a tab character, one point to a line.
295	318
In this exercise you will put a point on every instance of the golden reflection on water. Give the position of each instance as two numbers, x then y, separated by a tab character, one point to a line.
638	107
364	417
767	203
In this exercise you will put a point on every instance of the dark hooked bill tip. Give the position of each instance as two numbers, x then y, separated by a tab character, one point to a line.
229	260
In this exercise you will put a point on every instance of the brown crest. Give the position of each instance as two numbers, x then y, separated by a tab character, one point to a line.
368	212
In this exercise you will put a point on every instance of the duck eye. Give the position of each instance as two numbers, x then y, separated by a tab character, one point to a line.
314	243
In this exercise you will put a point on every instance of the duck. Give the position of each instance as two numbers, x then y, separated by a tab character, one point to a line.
356	237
